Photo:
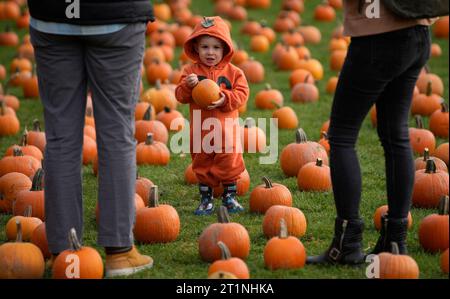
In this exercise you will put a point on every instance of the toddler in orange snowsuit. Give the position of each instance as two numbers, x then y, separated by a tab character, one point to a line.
210	47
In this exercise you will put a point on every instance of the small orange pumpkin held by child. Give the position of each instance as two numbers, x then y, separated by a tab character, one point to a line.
78	262
205	93
396	266
233	265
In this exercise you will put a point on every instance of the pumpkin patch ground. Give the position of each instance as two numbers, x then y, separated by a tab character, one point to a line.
266	62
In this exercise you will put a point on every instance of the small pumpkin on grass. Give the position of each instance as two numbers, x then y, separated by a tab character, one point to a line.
36	137
421	138
28	222
314	176
232	234
19	260
297	154
439	121
253	138
9	123
284	252
156	223
27	149
429	186
33	197
396	266
286	118
269	194
268	98
152	152
39	238
78	262
229	264
10	185
421	163
442	152
18	162
433	229
294	219
143	186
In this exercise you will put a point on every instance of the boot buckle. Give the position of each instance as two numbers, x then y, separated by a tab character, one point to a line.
334	253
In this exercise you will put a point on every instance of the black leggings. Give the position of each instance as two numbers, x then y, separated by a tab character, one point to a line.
381	69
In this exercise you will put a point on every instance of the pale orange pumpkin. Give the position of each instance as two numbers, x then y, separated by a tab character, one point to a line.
295	221
229	264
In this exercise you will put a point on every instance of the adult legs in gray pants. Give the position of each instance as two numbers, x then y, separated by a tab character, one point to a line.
109	66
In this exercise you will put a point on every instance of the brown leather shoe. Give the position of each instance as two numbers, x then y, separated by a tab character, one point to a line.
127	263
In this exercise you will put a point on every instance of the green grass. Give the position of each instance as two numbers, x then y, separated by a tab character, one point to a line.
180	259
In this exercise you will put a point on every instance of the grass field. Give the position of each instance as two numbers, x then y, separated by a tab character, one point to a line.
180	259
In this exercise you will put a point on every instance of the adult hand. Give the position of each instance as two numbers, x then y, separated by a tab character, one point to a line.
217	103
191	80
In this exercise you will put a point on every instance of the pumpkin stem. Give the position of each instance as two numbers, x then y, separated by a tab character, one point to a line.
226	254
17	151
223	215
167	109
19	231
148	113
429	88
444	107
268	86
267	182
283	229
419	122
443	205
319	162
149	139
28	211
37	180
300	136
36	125
395	249
430	167
24	140
426	154
2	108
158	84
75	244
153	201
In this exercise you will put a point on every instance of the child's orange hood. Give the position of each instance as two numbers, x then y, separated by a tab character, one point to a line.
213	26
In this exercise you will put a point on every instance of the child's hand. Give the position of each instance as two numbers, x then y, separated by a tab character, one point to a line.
191	80
217	103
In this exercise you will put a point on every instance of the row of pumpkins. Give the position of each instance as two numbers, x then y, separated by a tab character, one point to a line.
290	55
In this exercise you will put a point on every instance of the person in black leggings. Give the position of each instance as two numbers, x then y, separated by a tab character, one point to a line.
381	69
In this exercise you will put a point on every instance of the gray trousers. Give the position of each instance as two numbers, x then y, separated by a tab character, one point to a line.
109	65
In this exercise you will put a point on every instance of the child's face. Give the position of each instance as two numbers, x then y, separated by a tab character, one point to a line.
210	50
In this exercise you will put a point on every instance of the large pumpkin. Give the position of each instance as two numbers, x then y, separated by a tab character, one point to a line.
429	186
205	93
297	154
433	229
78	262
227	263
28	222
156	223
20	260
269	194
396	266
294	219
152	152
10	185
284	251
232	234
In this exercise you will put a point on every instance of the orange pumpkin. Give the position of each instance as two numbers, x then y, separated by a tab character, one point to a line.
253	138
304	93
437	86
440	28
33	197
383	210
39	238
444	261
28	222
189	175
233	265
28	150
147	126
426	104
300	76
27	165
10	185
9	124
297	154
268	98
439	121
284	251
259	43
143	186
429	186
314	176
324	12
396	266
172	119
269	194
152	152
232	234
433	229
421	138
36	137
205	93
421	163
442	151
253	70
286	118
295	221
20	260
156	223
78	262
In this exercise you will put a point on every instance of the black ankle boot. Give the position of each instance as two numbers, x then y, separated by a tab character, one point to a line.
392	230
346	247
